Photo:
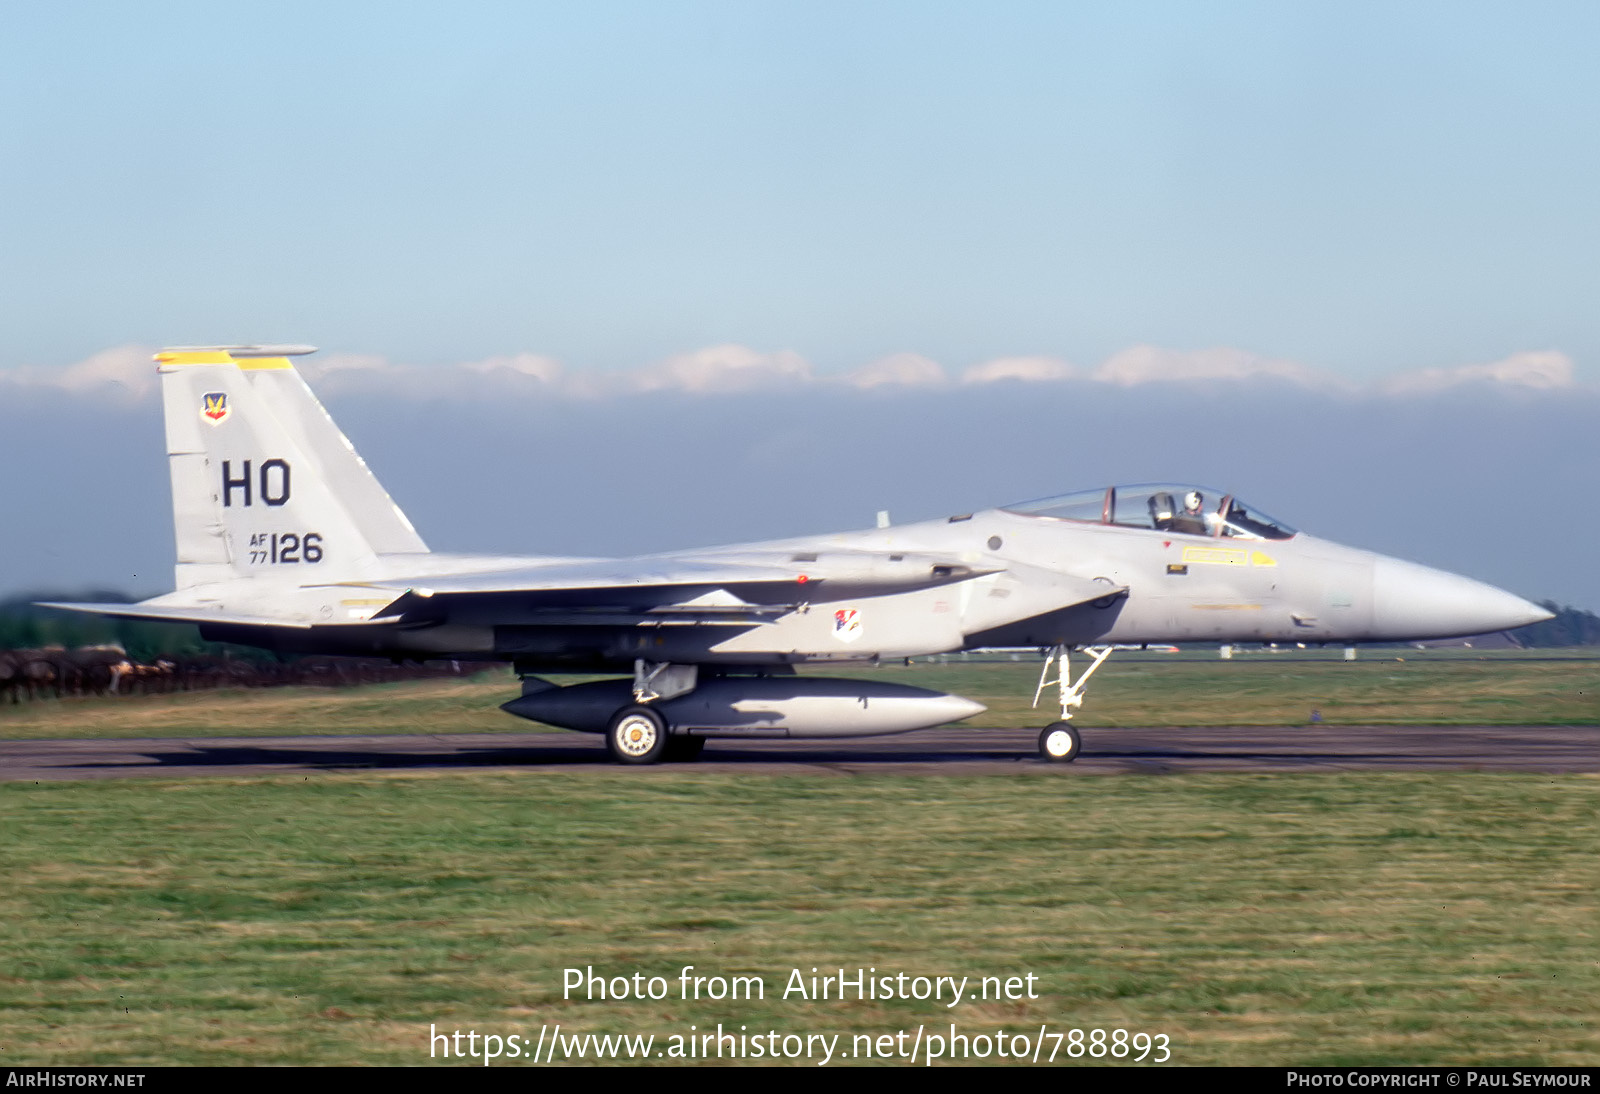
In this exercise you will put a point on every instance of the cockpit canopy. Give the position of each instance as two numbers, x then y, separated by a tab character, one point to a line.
1164	507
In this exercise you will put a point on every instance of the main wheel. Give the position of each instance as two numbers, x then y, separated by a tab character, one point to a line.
684	749
1059	743
637	735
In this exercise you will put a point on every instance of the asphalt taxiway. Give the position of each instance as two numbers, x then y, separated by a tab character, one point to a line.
949	751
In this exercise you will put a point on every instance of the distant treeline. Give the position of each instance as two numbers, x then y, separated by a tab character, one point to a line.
1570	627
26	627
49	654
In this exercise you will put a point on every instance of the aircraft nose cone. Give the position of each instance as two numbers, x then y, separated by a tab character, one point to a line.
1411	601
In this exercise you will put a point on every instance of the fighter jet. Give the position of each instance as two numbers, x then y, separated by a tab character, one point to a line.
286	541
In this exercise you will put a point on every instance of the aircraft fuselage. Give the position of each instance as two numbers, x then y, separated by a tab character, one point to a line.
1160	587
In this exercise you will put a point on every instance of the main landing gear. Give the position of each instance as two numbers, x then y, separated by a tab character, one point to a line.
639	734
1060	742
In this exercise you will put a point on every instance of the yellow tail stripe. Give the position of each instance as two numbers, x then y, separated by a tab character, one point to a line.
202	358
213	357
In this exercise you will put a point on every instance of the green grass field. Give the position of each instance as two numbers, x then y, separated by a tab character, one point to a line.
1253	919
1268	919
1132	689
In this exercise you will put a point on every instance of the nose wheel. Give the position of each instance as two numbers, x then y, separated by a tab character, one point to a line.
1059	743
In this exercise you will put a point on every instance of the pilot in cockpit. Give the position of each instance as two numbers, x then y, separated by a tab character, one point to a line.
1192	521
1161	512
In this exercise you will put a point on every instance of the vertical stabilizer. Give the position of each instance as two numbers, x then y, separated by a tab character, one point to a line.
274	381
263	484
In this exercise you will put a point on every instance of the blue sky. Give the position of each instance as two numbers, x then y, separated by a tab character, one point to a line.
1363	187
1337	256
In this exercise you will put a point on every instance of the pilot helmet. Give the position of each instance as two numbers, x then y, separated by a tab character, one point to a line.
1193	500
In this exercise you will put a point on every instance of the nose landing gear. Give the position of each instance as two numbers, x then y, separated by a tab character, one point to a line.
1059	742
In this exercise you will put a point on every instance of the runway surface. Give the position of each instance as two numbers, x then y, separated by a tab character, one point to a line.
949	751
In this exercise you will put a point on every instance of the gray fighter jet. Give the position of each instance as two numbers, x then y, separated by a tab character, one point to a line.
287	541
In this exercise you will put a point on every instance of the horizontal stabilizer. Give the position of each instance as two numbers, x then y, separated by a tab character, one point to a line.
160	613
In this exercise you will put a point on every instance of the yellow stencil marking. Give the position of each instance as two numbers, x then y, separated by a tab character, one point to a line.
1261	558
1220	556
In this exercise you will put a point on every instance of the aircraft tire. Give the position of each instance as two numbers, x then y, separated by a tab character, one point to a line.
1059	743
682	749
637	735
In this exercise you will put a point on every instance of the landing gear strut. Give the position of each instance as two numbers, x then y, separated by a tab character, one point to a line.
639	734
1060	742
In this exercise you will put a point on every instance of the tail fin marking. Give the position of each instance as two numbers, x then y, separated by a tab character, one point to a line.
263	483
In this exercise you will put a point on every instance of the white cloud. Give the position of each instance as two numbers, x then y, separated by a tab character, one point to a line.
1542	370
731	367
536	366
359	372
727	367
129	370
341	371
325	364
1151	364
906	369
1030	369
723	368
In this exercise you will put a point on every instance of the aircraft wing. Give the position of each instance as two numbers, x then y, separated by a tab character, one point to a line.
407	606
738	590
695	588
593	576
